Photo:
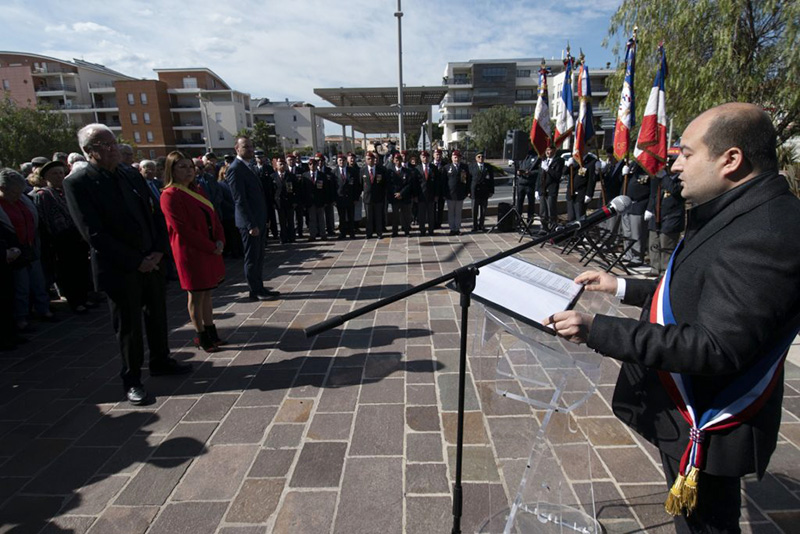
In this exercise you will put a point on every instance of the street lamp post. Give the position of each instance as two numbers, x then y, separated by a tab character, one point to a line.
399	15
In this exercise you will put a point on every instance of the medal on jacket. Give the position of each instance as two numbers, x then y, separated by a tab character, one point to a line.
463	176
732	406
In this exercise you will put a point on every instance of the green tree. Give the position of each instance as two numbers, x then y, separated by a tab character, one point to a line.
717	51
26	133
489	127
264	137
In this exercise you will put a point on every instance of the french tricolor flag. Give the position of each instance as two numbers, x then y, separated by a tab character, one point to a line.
540	128
626	113
651	147
565	123
585	129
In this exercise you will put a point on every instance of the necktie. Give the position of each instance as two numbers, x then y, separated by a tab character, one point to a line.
371	176
426	172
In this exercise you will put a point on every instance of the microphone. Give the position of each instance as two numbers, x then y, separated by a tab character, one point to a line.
621	204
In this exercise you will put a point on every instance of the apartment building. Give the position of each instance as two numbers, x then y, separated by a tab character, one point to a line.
475	85
295	124
193	110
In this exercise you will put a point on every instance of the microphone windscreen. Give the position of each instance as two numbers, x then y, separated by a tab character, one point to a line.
621	204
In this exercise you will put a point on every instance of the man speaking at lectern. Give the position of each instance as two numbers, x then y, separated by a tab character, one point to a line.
702	372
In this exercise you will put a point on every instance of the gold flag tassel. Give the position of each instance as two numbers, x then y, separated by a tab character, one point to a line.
674	504
689	493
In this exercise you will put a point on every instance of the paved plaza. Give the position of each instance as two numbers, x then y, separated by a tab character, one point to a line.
350	432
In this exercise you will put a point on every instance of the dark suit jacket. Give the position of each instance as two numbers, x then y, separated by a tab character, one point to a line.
550	178
430	187
111	219
611	181
400	182
374	190
666	204
735	293
348	184
482	182
529	171
248	196
286	190
637	186
458	181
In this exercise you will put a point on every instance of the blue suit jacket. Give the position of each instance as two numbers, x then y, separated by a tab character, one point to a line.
250	207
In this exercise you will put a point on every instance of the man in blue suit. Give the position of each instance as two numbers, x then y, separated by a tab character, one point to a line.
251	216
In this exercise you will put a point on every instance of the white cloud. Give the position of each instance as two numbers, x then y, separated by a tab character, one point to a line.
275	49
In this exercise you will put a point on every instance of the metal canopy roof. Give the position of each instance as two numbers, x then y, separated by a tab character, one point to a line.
375	119
371	110
382	96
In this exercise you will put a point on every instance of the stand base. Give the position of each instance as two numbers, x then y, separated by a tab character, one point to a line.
543	519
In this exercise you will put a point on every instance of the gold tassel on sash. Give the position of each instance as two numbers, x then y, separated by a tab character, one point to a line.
683	494
689	493
674	504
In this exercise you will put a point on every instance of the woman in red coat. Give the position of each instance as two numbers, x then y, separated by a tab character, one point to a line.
197	240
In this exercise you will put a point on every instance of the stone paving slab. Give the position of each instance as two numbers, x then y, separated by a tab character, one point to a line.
349	432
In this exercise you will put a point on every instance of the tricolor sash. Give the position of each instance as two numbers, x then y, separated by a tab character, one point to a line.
737	403
194	194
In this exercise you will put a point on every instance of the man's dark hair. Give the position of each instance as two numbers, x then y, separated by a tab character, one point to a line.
750	131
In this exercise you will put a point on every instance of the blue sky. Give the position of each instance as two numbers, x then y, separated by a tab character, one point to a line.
284	49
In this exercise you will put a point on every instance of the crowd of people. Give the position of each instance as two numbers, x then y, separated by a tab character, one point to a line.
650	228
97	225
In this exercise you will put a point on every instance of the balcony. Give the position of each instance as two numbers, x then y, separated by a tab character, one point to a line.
51	68
460	80
74	107
55	87
101	87
450	117
189	142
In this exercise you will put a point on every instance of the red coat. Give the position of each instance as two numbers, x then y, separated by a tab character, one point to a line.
194	230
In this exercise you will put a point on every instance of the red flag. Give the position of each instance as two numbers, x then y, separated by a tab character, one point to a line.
651	147
540	127
585	129
626	119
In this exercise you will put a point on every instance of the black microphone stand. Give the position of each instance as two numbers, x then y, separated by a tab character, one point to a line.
465	278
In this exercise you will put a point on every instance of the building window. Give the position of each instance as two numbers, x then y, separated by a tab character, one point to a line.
6	85
131	100
149	136
146	117
218	118
137	137
134	118
525	110
152	153
523	73
524	94
490	74
143	98
221	135
190	83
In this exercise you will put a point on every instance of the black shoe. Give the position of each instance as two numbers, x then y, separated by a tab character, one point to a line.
136	395
203	341
270	292
170	366
407	234
214	335
394	234
258	296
